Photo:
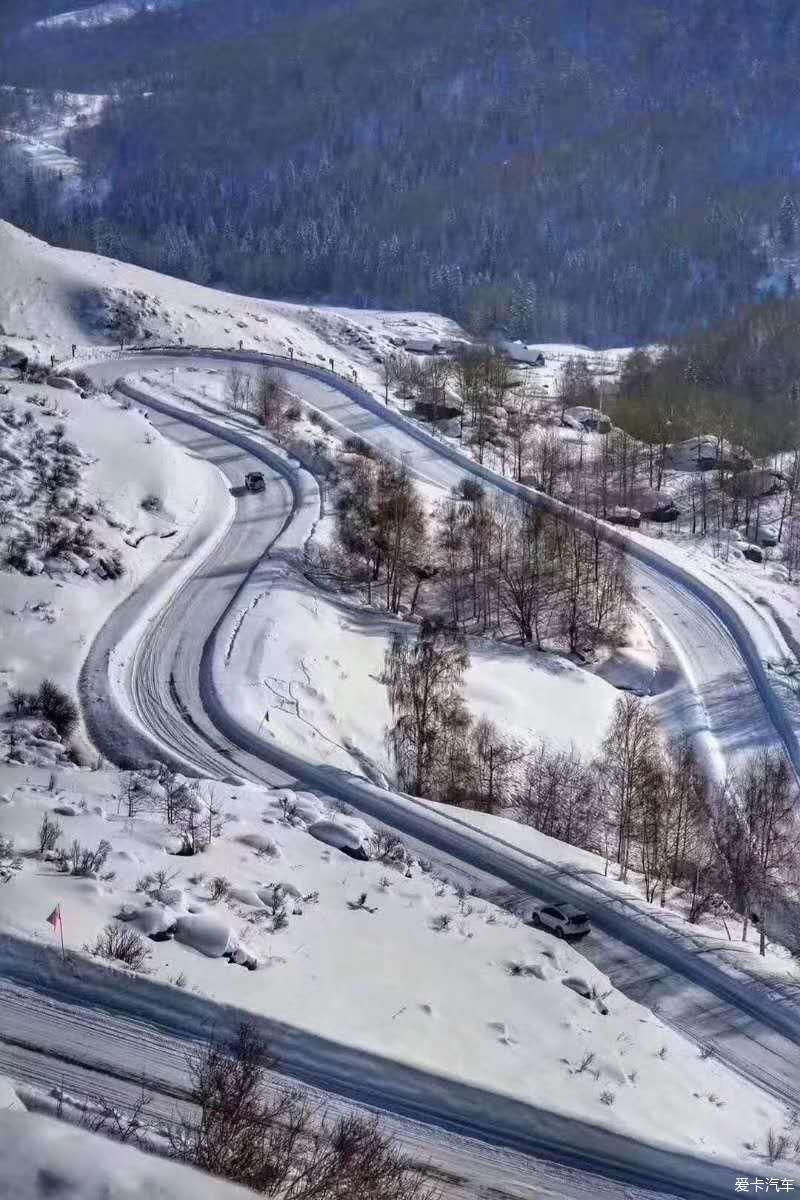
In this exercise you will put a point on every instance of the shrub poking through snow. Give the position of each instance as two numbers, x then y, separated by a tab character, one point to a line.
276	909
289	812
218	888
161	883
57	707
152	503
122	944
585	1065
280	1143
389	849
85	862
777	1145
49	833
441	923
10	861
607	1098
50	702
360	905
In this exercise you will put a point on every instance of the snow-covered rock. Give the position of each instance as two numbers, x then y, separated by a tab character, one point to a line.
332	833
63	383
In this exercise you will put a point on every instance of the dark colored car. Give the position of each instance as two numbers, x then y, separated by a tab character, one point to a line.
254	481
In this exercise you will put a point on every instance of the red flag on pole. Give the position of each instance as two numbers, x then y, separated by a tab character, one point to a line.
58	925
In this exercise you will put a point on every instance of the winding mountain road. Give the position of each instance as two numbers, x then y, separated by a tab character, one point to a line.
152	688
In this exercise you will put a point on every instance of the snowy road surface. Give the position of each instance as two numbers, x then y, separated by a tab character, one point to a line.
51	1053
718	691
171	685
79	1030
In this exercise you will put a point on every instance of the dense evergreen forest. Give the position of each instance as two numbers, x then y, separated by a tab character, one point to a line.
611	171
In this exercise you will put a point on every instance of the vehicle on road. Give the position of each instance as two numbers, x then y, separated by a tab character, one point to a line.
254	481
564	920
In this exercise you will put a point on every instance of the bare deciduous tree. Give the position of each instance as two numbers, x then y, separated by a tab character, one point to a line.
629	769
424	679
759	839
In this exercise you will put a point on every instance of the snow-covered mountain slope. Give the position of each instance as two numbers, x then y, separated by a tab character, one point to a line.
42	134
108	12
51	299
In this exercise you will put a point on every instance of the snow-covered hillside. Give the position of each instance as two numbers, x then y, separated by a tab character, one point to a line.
108	12
93	498
384	955
43	126
272	915
51	299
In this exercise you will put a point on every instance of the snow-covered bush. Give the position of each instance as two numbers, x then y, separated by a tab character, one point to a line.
218	888
57	707
123	944
49	702
85	862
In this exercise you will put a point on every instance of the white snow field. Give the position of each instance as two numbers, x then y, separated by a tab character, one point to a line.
156	680
314	664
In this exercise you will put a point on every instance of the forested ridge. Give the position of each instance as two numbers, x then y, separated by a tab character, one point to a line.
611	171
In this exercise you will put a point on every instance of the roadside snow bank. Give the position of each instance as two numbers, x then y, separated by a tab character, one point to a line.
9	1100
44	1157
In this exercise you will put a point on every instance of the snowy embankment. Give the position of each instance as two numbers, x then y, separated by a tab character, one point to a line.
488	1003
44	1157
761	594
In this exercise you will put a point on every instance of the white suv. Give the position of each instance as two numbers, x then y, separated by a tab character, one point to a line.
563	920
